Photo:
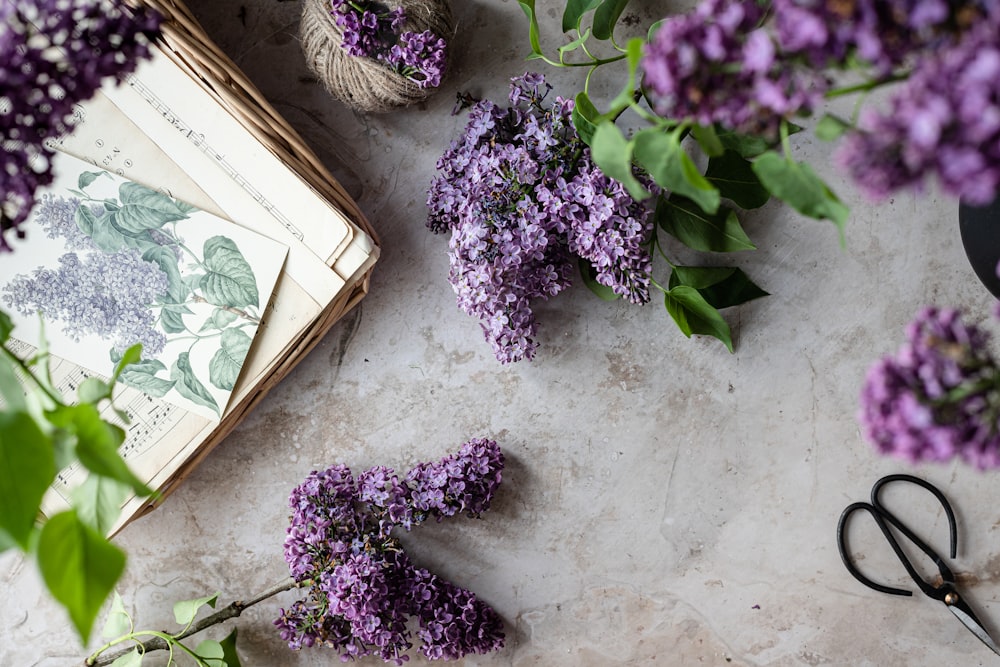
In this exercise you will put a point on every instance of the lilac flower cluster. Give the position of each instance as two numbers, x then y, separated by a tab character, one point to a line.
944	121
522	199
55	54
104	294
938	397
372	30
718	64
363	588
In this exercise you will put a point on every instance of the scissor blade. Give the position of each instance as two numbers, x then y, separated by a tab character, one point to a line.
970	621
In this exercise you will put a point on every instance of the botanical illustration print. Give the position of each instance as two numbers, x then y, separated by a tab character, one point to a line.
124	264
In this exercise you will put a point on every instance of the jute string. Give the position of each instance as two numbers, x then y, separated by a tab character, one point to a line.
365	83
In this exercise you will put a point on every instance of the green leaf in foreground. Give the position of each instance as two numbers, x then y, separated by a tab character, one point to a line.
686	221
694	315
98	502
229	650
831	128
613	154
27	467
212	653
186	610
796	184
585	117
662	155
79	566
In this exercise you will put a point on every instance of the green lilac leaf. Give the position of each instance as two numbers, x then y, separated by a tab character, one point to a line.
529	10
220	319
722	287
573	45
131	659
689	224
172	318
612	153
694	315
227	362
708	140
745	145
93	390
11	389
796	184
230	280
99	229
670	166
188	385
118	621
79	566
230	655
132	355
186	610
626	98
212	653
606	17
97	443
6	327
86	178
98	502
143	376
585	117
736	180
165	258
144	209
573	14
831	127
588	274
27	468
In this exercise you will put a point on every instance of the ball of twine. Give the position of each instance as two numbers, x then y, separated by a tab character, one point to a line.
367	84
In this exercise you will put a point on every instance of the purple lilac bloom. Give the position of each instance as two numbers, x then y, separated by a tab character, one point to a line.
883	33
944	122
55	54
57	216
522	200
362	587
371	30
718	64
937	398
109	295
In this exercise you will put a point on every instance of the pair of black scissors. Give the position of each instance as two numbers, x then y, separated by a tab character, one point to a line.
945	591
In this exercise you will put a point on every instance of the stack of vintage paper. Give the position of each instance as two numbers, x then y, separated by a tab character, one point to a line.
245	252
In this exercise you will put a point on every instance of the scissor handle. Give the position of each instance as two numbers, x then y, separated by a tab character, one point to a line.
883	518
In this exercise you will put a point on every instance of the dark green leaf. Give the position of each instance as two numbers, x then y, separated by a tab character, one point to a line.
606	17
230	655
797	185
722	287
97	443
694	315
708	140
663	157
736	180
98	502
230	280
27	468
188	385
185	611
718	232
589	276
6	326
585	117
613	154
227	362
529	10
746	145
79	566
573	14
143	377
831	128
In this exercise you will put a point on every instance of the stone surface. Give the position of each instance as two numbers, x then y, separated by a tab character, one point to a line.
665	502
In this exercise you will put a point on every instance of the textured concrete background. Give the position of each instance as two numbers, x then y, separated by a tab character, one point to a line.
664	503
